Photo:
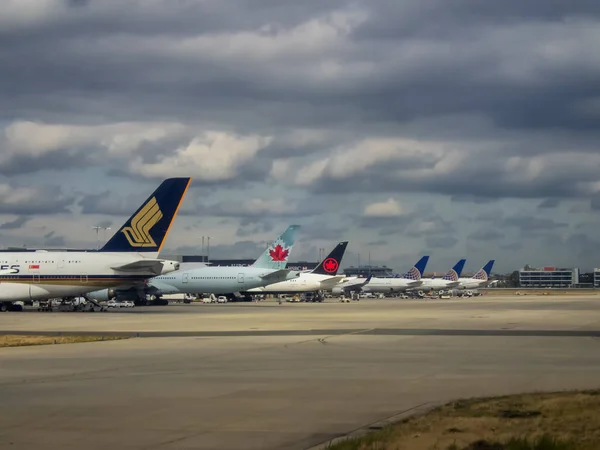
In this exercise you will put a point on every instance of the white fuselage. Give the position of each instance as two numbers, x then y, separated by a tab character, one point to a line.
471	283
46	274
437	283
384	285
306	282
217	280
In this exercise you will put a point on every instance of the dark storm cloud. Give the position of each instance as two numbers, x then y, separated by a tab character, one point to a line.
531	226
549	203
250	229
52	240
100	56
26	201
515	246
441	241
399	62
487	235
15	224
107	204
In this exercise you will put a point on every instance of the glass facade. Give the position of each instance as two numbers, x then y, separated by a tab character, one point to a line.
597	278
365	271
548	277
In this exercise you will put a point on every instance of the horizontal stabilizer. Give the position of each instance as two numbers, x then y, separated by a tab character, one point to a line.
144	265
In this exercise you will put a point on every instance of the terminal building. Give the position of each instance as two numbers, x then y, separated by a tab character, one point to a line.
548	277
365	271
597	278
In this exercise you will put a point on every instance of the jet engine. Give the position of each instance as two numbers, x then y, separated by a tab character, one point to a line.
169	266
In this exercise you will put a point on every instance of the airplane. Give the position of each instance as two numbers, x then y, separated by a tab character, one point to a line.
130	256
448	281
479	279
268	268
410	279
323	277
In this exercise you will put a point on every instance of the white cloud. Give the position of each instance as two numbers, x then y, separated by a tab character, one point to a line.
387	208
34	139
215	156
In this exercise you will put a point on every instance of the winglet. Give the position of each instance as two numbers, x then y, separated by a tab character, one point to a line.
147	229
454	273
417	270
331	264
277	254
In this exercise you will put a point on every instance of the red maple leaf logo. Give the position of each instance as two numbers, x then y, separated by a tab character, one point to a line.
330	265
279	253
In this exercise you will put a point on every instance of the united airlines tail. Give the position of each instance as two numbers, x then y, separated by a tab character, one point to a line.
277	254
416	272
331	264
147	229
454	273
483	274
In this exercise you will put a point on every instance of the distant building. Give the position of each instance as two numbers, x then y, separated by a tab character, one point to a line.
365	271
548	277
597	278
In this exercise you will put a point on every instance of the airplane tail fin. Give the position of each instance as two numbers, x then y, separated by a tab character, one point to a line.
454	273
147	229
331	264
483	274
416	272
277	254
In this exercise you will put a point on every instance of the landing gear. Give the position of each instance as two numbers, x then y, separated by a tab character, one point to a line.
3	307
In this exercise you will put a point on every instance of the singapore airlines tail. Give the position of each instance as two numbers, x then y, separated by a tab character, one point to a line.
277	254
147	229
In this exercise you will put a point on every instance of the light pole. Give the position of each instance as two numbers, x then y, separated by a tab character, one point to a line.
207	248
98	228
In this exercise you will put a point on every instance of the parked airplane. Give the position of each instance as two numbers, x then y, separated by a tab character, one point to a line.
448	281
480	279
130	256
323	278
268	268
410	279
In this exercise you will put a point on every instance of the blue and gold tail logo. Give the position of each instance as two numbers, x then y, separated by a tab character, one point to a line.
146	230
138	233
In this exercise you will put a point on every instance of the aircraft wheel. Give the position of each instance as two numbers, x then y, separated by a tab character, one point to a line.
3	307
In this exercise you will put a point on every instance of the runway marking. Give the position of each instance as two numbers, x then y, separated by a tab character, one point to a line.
324	332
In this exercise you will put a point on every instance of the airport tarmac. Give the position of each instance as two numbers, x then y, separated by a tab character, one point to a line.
318	371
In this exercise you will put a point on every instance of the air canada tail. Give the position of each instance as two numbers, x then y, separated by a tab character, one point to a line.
147	229
454	273
416	272
331	264
484	273
277	254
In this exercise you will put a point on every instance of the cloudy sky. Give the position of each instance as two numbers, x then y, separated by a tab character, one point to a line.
455	128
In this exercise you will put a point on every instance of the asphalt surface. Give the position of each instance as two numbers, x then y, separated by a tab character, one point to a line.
268	376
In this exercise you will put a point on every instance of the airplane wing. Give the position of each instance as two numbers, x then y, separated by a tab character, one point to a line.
277	275
8	271
329	282
148	265
356	284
